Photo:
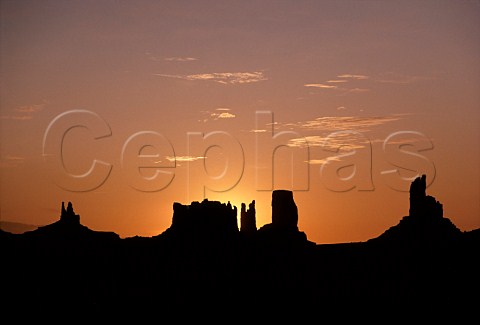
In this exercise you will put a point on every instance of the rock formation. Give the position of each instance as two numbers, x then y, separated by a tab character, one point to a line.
71	233
425	223
419	266
284	210
284	229
247	219
208	218
68	215
422	205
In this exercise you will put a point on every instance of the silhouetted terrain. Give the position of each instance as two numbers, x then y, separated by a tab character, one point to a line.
205	260
16	227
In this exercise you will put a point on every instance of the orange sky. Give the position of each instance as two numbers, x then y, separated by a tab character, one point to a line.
343	102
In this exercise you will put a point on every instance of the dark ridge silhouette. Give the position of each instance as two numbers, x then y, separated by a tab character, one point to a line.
69	229
425	224
6	234
204	263
16	227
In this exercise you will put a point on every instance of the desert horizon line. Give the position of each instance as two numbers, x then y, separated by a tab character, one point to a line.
420	203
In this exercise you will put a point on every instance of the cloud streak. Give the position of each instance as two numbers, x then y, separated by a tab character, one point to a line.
337	81
222	115
222	77
154	57
321	86
11	161
16	117
391	78
183	158
322	161
346	140
219	113
339	123
353	76
24	113
180	59
347	132
30	108
344	79
358	90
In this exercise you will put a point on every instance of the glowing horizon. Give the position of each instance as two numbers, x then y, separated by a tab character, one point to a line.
181	101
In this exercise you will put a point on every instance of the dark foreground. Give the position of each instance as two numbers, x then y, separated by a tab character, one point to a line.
424	264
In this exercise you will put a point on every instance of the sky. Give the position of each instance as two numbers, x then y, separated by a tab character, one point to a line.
125	107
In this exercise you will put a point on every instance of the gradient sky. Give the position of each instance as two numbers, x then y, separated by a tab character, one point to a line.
347	91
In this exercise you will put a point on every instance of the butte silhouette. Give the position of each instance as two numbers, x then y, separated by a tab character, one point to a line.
206	261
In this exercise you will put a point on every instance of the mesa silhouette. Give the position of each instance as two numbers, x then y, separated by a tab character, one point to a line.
205	259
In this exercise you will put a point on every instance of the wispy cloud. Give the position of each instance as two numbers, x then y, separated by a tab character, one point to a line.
347	83
154	57
393	78
30	108
183	158
345	140
334	84
219	113
320	86
347	132
180	59
16	117
11	161
258	130
322	161
337	81
222	77
389	77
339	123
353	76
358	90
15	158
216	116
25	112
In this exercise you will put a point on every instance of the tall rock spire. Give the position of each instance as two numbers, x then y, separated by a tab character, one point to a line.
68	215
247	219
422	205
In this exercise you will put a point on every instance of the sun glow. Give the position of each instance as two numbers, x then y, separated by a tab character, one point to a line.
236	198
